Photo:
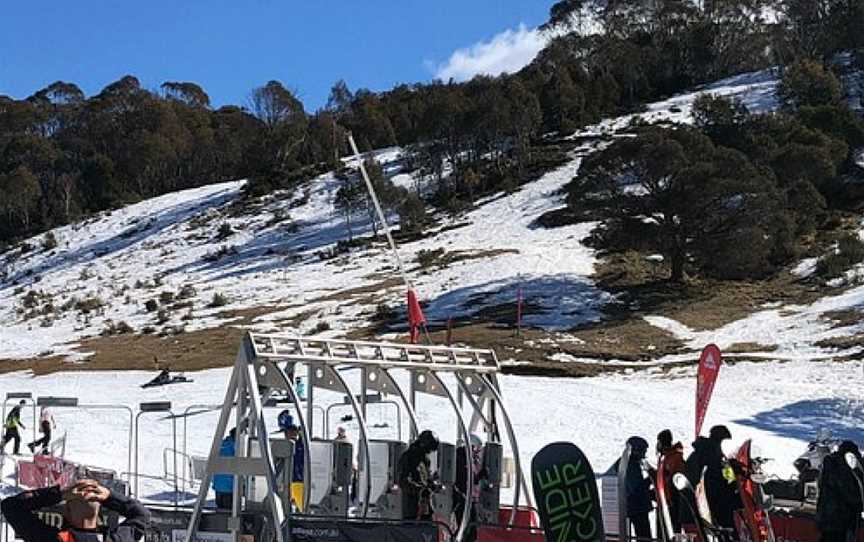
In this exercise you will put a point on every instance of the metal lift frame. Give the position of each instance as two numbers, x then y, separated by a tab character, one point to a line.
257	376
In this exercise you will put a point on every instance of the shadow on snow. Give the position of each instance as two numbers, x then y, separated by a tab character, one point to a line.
802	419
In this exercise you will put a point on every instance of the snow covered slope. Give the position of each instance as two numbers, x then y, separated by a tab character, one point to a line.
174	249
184	251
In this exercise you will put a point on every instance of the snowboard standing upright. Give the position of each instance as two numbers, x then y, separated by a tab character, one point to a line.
623	522
755	525
565	490
663	511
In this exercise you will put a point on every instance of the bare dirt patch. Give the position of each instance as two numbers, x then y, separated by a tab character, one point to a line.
843	318
627	340
192	351
843	343
748	348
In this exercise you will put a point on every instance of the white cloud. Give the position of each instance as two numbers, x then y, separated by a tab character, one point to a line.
508	52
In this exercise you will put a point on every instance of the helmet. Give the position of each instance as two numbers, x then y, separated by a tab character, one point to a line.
719	432
664	439
848	446
638	445
476	441
286	421
427	441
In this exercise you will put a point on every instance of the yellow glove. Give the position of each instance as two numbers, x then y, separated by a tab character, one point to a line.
728	474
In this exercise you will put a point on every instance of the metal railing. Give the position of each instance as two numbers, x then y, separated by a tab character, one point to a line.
362	353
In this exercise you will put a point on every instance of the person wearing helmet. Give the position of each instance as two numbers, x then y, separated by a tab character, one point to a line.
415	477
638	489
838	509
720	491
292	433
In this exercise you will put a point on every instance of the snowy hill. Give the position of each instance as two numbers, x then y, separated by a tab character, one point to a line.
206	259
273	270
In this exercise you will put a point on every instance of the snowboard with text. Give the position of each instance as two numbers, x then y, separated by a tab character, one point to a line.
565	491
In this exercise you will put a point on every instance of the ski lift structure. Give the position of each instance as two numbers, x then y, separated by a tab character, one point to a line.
266	366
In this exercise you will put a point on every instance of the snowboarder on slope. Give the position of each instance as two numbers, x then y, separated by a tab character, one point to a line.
838	511
638	489
46	425
415	477
720	487
13	423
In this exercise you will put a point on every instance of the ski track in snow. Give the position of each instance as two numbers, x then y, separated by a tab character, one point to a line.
778	404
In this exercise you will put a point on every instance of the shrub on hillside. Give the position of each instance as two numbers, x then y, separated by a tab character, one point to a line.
428	258
90	304
808	83
849	252
49	242
225	231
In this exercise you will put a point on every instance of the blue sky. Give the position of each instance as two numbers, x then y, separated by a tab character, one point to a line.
229	47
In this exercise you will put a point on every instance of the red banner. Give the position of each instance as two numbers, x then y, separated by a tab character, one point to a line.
415	316
709	368
45	471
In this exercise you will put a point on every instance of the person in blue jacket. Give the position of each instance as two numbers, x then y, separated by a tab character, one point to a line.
639	492
223	484
292	433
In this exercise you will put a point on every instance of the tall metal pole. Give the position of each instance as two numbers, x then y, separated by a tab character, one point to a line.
384	223
379	211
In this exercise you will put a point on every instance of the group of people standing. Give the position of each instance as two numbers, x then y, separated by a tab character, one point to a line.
13	425
839	506
223	484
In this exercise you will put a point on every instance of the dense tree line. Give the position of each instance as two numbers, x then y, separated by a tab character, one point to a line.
733	196
64	155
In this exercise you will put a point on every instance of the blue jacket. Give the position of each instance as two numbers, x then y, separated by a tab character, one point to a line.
224	483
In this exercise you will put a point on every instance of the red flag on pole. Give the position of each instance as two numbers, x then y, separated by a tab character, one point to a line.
415	316
709	368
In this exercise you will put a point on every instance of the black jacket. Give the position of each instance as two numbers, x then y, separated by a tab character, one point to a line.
414	480
19	512
638	489
839	505
706	464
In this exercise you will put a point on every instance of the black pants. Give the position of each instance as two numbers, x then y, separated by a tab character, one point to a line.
641	526
12	434
42	443
224	501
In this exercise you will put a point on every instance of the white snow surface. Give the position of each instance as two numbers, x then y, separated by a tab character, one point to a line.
129	256
156	247
779	405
